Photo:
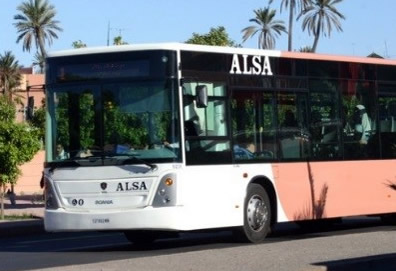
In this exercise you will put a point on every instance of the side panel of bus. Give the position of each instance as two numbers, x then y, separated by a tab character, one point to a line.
318	190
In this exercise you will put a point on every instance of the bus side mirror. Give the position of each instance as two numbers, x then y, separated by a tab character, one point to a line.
201	97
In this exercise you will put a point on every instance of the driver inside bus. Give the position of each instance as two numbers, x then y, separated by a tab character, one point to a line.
60	153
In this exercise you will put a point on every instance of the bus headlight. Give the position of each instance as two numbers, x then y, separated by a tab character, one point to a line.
50	199
166	191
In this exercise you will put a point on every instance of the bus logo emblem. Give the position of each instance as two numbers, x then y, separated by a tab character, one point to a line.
256	65
103	186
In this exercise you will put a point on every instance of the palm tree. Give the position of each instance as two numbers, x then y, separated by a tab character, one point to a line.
118	41
36	22
268	27
39	61
306	49
9	74
320	17
78	44
292	5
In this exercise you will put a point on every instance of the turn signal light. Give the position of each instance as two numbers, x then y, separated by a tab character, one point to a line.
168	181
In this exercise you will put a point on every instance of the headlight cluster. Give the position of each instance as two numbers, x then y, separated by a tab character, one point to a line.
51	202
166	191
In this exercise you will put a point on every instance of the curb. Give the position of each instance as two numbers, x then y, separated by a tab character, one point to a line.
21	227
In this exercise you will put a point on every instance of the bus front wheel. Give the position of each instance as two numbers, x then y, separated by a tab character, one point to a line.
257	214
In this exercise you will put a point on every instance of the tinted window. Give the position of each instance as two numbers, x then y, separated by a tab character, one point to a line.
357	71
386	73
360	121
324	69
387	121
124	65
200	61
293	134
325	123
254	126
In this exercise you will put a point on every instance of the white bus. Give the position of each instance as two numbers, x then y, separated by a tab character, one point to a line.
165	138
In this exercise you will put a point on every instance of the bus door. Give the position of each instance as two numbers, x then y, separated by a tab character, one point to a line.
292	122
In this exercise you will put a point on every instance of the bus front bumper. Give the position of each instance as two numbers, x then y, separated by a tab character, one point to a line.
149	218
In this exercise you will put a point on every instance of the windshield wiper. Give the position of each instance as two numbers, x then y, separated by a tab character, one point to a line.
64	163
73	162
134	159
131	159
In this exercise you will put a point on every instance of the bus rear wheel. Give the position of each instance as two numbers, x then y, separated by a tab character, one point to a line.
257	215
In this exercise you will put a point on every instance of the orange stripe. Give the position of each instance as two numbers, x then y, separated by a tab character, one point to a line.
342	188
315	56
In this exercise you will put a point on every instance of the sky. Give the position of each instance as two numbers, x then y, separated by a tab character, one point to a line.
370	26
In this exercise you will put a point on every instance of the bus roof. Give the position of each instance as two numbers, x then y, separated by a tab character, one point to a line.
220	49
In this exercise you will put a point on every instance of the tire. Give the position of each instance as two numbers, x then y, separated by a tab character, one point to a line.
257	215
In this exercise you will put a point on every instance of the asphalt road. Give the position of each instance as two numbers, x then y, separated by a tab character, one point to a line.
356	244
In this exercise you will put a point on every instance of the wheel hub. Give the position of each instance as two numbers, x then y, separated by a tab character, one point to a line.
257	213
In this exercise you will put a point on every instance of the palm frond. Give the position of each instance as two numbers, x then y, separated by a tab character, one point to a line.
268	27
36	22
320	18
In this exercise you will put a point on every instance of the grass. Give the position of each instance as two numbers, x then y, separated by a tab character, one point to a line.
18	217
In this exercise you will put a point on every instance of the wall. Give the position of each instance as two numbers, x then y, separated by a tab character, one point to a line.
29	182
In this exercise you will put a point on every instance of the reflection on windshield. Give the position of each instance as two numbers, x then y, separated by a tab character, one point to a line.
115	121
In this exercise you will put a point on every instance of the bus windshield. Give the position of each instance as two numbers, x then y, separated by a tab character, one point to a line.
113	123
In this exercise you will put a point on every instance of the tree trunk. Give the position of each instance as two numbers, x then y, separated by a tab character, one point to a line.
264	45
315	44
6	89
3	87
290	32
317	34
2	193
40	42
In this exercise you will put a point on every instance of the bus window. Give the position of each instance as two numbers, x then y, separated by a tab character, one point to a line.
62	130
324	124
387	125
76	124
139	116
254	127
206	128
360	122
293	129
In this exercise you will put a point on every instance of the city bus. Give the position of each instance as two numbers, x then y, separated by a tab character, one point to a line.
166	138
